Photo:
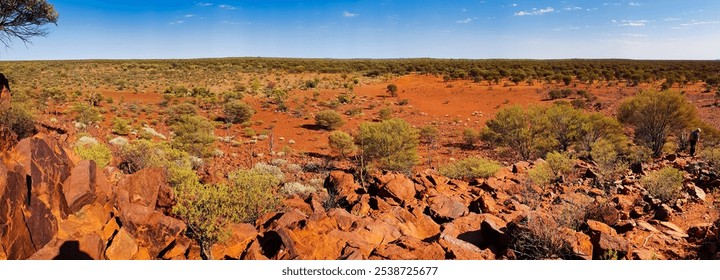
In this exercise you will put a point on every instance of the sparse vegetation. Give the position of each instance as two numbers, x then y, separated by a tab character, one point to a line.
194	135
96	152
657	115
237	112
472	167
329	120
664	184
341	143
390	144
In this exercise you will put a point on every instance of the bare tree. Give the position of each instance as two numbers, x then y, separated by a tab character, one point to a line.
23	19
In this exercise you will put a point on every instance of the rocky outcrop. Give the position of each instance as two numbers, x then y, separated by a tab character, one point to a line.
54	207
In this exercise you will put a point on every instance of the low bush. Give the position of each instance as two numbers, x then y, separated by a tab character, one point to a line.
341	143
121	126
329	120
472	167
237	112
664	184
96	152
18	119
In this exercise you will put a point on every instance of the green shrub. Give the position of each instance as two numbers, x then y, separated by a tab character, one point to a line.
341	143
385	114
541	174
208	209
515	128
237	112
96	152
597	126
392	89
18	119
86	114
176	112
121	126
428	134
472	167
657	115
142	154
560	164
712	156
194	135
328	120
664	184
470	137
610	166
390	144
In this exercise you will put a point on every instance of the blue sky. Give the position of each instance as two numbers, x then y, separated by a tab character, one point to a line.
664	29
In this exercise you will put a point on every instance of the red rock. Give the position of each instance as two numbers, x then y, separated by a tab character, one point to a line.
461	250
142	187
408	248
362	207
396	186
123	247
492	185
465	228
233	247
645	255
444	208
87	247
415	224
344	219
486	204
180	247
344	187
579	243
80	187
646	226
605	239
378	232
152	229
289	219
299	204
110	229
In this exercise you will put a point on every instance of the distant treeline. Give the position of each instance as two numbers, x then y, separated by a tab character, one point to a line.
584	70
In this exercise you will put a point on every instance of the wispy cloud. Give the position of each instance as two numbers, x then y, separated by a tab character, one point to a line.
612	4
535	12
672	19
632	23
634	35
634	4
177	22
572	8
204	4
349	14
189	16
514	4
226	7
467	20
699	22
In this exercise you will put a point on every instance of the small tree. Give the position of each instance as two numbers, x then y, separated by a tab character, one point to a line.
341	143
23	19
328	120
391	144
656	115
517	129
392	89
429	136
121	126
237	112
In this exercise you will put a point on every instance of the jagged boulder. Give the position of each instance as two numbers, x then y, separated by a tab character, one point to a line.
342	185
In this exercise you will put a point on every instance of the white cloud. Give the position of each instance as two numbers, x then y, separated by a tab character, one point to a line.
535	12
612	4
177	22
635	4
697	22
634	35
349	14
204	4
672	19
633	23
226	7
189	16
514	4
573	8
467	20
